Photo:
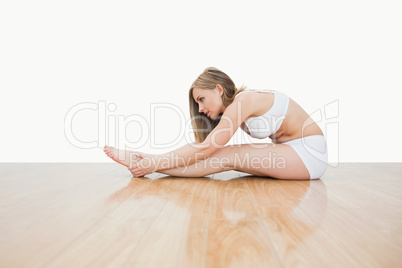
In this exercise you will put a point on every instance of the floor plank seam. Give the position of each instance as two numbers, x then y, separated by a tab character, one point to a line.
143	235
82	182
209	220
86	231
72	204
82	200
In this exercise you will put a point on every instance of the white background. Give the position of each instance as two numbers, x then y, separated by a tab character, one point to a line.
55	55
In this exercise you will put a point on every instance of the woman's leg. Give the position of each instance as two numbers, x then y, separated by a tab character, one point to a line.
268	160
128	157
200	169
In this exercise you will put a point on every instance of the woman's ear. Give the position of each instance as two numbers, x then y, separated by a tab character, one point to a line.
220	89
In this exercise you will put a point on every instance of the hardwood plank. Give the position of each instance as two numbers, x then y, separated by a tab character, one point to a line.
371	174
354	231
8	171
46	237
236	238
17	187
36	208
34	201
178	235
111	239
296	238
230	201
242	243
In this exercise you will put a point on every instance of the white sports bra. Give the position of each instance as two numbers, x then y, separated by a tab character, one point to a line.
263	126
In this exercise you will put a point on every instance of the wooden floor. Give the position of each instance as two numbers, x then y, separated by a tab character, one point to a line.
97	215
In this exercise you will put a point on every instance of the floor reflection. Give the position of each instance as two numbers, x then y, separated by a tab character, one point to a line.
255	214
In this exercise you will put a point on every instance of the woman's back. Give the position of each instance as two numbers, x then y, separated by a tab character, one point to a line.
295	124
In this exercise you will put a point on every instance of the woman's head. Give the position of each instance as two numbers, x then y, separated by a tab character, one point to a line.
209	96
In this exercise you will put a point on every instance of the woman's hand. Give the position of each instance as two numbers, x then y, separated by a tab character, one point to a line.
142	167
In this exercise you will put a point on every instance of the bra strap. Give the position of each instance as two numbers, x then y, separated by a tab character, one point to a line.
266	90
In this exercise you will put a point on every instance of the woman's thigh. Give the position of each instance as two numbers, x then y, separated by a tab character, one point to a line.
272	160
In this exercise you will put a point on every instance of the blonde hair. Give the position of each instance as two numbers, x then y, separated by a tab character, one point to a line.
203	125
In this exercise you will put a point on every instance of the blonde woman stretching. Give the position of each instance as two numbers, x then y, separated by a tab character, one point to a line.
217	110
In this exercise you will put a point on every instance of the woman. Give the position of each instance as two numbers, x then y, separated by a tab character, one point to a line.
217	110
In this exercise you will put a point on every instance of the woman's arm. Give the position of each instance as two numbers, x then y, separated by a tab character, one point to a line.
191	153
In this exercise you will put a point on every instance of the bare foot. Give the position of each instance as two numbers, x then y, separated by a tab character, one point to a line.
124	157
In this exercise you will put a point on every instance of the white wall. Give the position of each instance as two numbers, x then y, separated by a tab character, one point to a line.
55	55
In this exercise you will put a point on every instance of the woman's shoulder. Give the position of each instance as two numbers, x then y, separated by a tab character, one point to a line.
254	94
253	102
255	91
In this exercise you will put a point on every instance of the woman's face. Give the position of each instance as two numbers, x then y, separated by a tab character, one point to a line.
209	101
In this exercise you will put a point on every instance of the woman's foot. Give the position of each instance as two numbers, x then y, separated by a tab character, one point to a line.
124	157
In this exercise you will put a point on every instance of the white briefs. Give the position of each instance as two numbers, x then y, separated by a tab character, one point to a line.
313	151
